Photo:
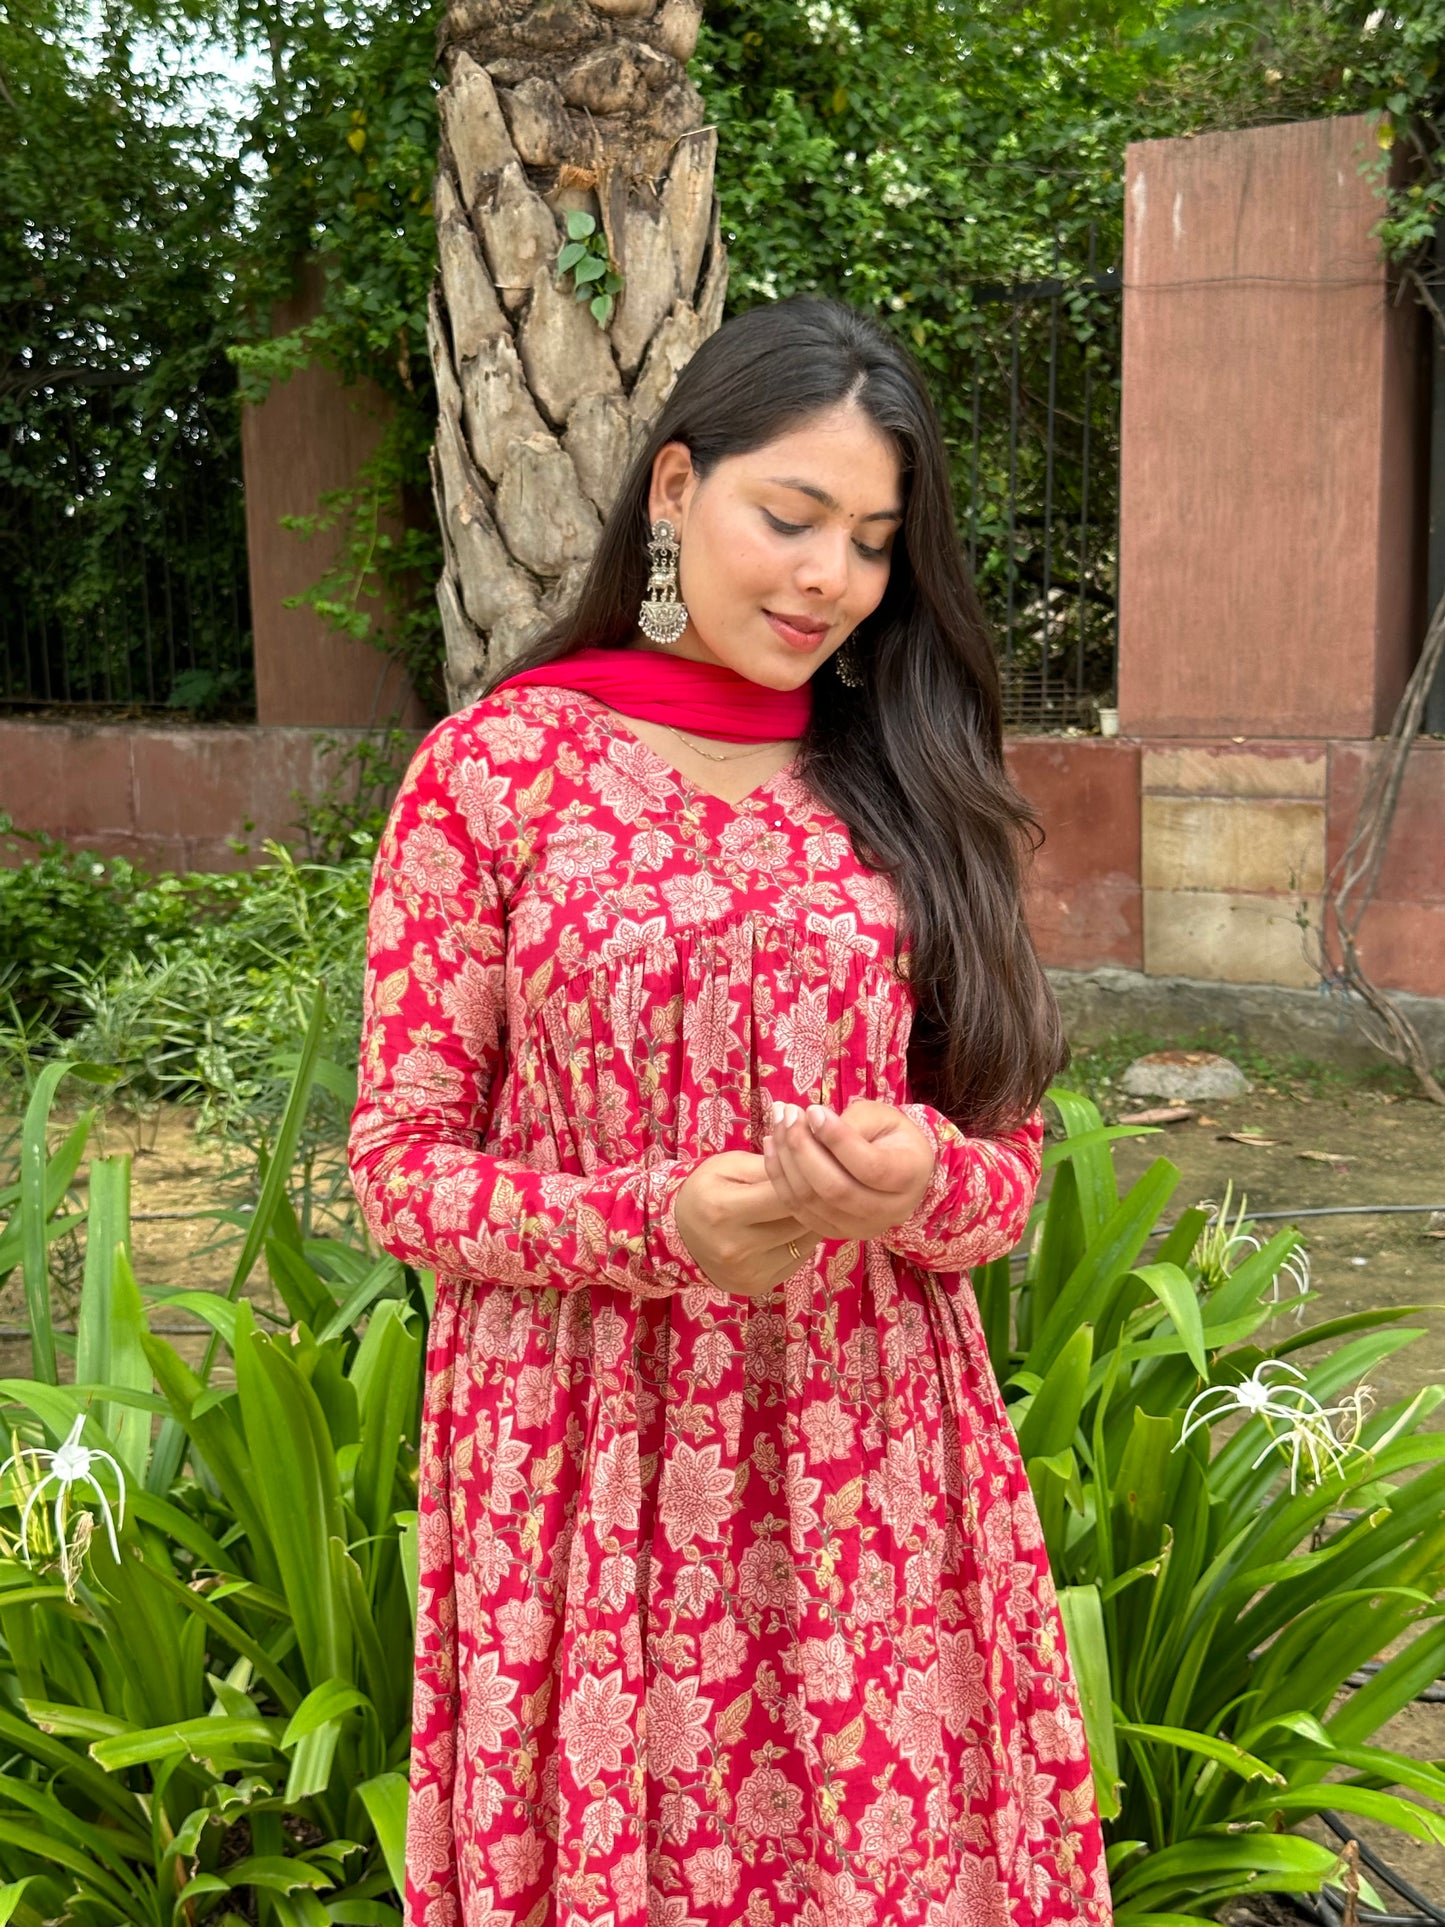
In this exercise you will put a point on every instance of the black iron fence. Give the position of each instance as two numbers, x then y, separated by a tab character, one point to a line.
1038	470
122	549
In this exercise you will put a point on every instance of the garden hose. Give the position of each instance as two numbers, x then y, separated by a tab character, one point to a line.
1331	1910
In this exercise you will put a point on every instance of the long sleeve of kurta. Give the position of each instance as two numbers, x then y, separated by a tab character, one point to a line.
977	1202
431	1056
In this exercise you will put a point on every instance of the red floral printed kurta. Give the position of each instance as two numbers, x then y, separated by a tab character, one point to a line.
731	1611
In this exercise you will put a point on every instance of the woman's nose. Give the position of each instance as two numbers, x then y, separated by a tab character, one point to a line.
823	567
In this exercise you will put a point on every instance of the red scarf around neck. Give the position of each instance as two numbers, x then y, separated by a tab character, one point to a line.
704	697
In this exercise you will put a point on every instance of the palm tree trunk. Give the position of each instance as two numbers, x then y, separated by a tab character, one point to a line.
551	107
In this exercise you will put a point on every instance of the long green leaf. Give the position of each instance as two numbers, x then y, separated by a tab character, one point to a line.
29	1839
394	1356
278	1172
1175	1292
1207	1745
384	1275
385	1800
129	1367
329	1701
1083	1619
60	1169
1182	1870
199	1739
223	1449
297	1488
1052	1418
34	1264
1086	1150
107	1226
1105	1264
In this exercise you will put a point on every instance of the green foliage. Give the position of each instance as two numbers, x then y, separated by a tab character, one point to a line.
122	541
65	911
1225	1568
584	256
215	1724
195	986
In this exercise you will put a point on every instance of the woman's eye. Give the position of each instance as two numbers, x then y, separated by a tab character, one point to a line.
782	527
873	555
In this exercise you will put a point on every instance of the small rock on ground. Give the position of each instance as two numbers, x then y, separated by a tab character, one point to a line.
1185	1075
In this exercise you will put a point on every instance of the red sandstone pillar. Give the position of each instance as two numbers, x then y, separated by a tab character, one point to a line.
1271	546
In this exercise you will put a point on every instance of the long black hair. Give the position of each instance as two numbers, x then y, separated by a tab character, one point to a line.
912	762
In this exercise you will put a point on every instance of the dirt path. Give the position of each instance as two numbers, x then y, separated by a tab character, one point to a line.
1329	1145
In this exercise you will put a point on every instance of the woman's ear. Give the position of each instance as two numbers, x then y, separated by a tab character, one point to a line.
673	481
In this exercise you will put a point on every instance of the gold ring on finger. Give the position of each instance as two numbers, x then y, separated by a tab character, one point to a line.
796	1254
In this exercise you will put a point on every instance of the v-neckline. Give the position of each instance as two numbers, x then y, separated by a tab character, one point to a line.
619	724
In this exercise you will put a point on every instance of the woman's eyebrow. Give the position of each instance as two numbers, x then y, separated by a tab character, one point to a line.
822	495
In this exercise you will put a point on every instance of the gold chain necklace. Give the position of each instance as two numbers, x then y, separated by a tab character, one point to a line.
711	756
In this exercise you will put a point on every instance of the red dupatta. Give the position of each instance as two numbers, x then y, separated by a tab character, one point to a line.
706	698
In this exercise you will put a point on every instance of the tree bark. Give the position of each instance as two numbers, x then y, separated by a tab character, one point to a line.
550	106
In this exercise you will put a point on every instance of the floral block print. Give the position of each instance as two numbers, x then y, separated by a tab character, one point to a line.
730	1611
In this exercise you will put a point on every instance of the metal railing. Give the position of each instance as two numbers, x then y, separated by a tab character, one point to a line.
123	576
1040	480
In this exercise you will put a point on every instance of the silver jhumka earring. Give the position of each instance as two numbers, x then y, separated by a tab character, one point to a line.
845	661
663	615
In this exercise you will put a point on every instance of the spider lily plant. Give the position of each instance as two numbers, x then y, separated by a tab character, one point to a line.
206	1715
1233	1536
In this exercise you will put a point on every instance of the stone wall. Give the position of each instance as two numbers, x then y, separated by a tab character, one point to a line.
168	797
1188	861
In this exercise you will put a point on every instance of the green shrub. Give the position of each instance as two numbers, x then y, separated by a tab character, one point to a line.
1221	1584
215	1722
64	912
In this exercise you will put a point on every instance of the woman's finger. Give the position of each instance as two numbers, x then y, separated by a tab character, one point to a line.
815	1175
863	1159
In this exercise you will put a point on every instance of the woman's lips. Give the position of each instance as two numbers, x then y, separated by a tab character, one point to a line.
801	633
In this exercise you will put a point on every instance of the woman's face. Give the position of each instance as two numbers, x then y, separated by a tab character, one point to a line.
785	550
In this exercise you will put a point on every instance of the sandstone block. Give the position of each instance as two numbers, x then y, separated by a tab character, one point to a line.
1232	843
1224	936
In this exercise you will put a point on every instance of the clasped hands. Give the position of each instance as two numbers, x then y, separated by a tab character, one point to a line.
750	1221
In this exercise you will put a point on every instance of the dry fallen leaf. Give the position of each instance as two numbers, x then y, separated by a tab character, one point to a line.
1248	1137
1326	1157
1168	1114
1207	1123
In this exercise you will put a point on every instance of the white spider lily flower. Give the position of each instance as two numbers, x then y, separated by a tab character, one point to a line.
1325	1435
1221	1239
70	1465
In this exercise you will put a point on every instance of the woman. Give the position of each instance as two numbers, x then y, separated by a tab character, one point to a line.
704	1040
